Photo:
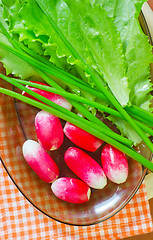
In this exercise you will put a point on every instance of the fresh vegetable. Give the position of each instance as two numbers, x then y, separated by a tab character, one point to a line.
82	138
49	130
71	190
83	123
99	106
51	96
85	167
115	164
106	65
68	115
72	50
40	161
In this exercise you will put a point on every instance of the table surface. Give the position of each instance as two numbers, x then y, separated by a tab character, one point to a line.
148	236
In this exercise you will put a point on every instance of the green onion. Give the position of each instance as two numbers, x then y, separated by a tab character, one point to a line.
137	111
82	100
66	78
69	113
78	106
74	80
82	124
107	94
33	62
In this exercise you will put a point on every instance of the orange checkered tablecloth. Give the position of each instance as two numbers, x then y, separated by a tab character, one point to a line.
21	220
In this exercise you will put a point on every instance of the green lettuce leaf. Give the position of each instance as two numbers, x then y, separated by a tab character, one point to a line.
100	45
135	46
14	64
138	56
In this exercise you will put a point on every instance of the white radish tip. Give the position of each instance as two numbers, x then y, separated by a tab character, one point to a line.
40	161
101	183
120	177
29	146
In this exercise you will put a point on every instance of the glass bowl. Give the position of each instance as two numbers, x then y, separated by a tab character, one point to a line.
18	126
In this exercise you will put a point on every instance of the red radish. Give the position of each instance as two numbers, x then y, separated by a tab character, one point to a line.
49	130
61	101
82	138
71	190
85	167
40	161
115	164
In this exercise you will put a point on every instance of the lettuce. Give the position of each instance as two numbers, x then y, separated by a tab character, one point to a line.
137	53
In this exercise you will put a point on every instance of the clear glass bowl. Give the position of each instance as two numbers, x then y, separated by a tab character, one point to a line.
19	125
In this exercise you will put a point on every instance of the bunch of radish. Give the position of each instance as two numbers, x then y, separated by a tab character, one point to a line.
50	135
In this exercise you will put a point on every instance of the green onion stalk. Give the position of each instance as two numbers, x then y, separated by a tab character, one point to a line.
80	122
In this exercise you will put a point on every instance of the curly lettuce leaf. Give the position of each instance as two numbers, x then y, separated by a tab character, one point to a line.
137	54
14	64
135	46
100	44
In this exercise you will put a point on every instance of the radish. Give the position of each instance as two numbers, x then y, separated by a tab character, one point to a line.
40	161
71	190
61	101
82	138
115	164
49	130
85	167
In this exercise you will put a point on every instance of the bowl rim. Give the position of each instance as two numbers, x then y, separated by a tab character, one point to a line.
145	28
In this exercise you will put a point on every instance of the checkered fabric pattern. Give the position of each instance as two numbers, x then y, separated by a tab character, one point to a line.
19	219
